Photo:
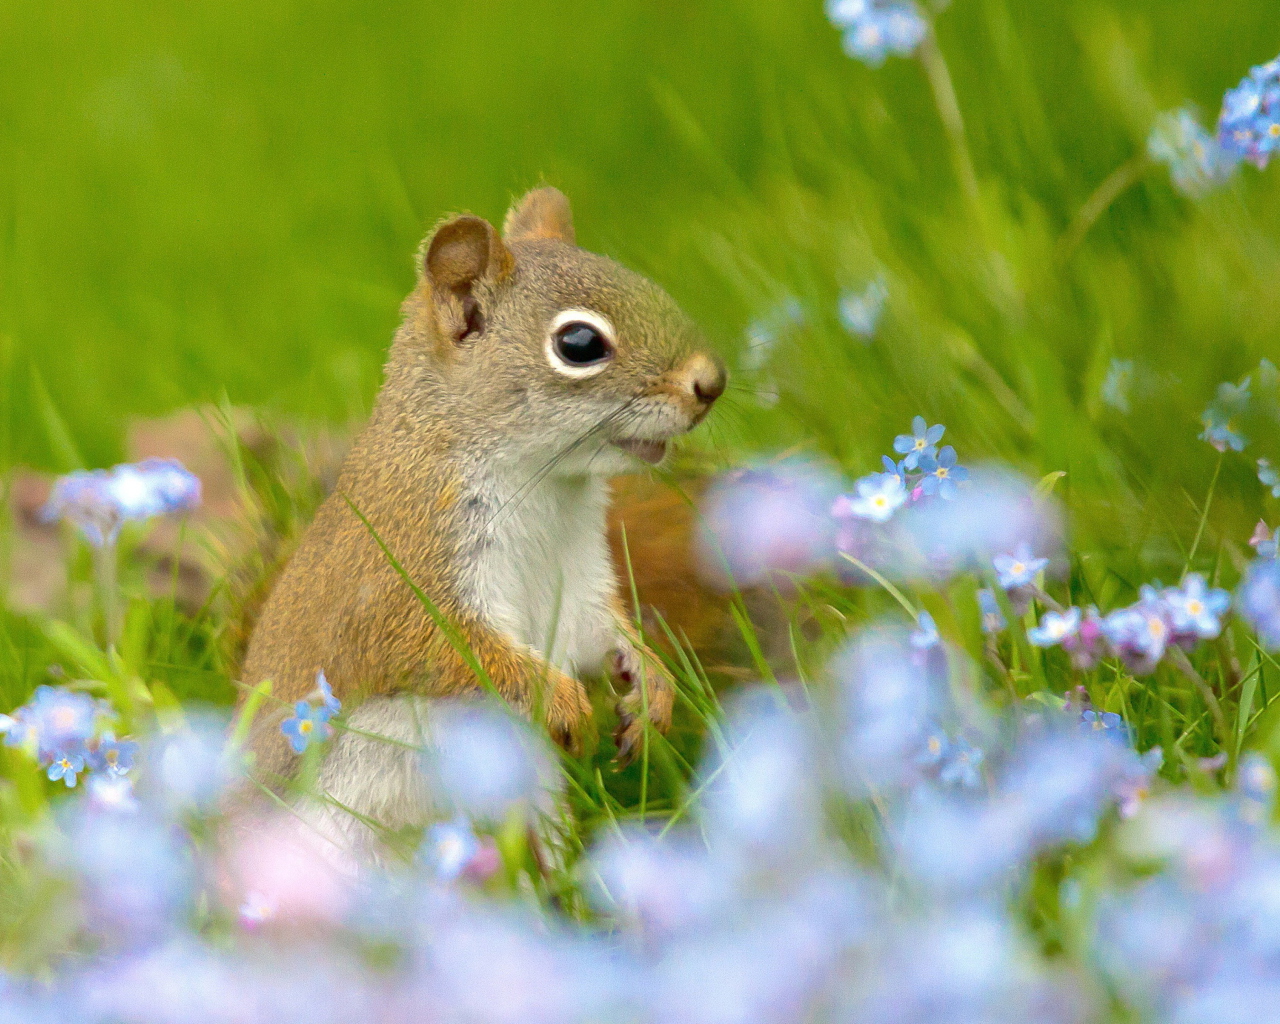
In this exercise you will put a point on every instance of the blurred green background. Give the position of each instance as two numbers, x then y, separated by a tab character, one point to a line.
206	197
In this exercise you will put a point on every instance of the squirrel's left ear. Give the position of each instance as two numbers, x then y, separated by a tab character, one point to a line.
462	253
542	213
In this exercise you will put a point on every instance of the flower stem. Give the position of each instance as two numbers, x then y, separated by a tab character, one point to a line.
106	576
1204	518
944	96
1117	183
1183	664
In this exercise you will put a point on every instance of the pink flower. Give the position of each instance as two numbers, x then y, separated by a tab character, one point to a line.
276	870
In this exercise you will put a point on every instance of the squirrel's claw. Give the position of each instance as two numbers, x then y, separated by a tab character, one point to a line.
648	684
568	713
627	736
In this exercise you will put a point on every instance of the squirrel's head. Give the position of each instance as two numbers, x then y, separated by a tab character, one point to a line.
539	349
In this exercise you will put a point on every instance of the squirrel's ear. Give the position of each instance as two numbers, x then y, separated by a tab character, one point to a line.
542	213
462	252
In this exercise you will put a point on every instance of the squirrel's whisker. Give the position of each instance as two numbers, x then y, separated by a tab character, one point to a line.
525	489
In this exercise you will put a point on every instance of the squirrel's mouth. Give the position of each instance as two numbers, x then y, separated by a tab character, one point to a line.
651	452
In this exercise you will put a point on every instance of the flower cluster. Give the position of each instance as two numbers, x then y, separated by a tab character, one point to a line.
873	29
1249	126
1196	162
1141	634
100	501
69	733
924	471
310	720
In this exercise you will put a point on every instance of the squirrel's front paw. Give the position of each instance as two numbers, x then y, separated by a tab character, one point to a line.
651	687
568	712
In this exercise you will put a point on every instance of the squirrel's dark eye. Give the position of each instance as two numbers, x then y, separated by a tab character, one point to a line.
580	344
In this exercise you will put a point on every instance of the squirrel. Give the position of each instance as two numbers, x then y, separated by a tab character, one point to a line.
525	373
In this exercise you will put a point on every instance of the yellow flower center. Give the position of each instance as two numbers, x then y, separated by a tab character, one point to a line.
1156	628
920	443
305	726
942	472
1017	569
1274	131
935	745
1194	607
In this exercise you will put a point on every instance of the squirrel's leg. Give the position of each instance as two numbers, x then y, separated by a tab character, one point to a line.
526	681
649	688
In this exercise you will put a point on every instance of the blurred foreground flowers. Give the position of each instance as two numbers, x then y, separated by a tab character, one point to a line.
861	853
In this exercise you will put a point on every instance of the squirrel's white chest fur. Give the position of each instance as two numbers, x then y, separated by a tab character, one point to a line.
540	570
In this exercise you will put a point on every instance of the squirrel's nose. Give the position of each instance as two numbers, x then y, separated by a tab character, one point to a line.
706	376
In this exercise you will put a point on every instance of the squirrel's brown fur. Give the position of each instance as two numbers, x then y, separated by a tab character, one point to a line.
468	386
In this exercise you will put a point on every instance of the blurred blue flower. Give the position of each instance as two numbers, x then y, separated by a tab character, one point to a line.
1195	609
449	847
762	798
878	497
191	768
960	765
1256	785
887	706
941	473
934	749
325	692
113	756
101	501
874	29
61	718
758	523
1220	418
1140	634
661	886
1055	627
1259	599
1269	476
920	443
1264	542
993	619
1220	431
1249	126
309	724
1018	569
484	764
136	872
926	633
1196	162
1118	382
112	793
995	513
1106	723
67	767
860	312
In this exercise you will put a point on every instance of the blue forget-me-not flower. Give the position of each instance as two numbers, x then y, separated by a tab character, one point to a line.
941	474
873	29
921	443
309	724
1018	569
1249	126
1269	476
